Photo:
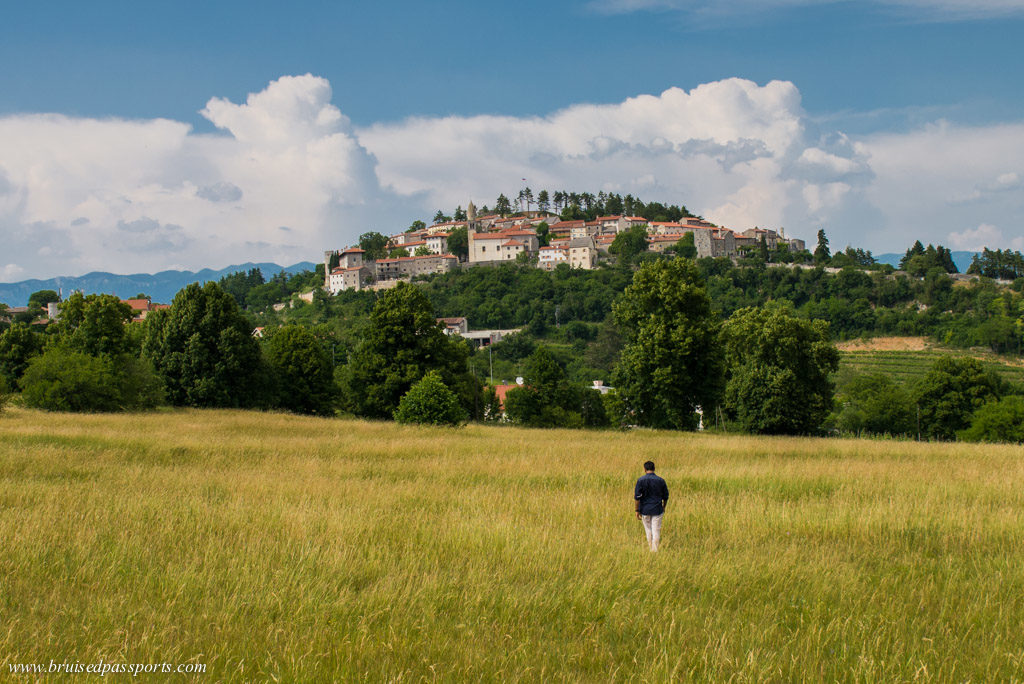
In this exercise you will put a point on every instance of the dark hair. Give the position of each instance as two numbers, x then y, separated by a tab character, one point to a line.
649	465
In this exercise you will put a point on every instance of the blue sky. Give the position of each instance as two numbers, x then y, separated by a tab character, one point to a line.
873	80
392	59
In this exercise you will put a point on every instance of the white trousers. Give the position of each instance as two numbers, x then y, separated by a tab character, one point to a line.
652	526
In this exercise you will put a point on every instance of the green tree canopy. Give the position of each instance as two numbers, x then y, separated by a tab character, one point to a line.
822	255
40	298
96	325
18	344
951	391
203	349
685	247
628	244
779	367
458	242
875	404
302	371
65	380
401	344
502	205
671	364
374	245
997	421
430	402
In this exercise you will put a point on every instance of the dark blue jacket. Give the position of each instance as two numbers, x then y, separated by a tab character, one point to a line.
650	492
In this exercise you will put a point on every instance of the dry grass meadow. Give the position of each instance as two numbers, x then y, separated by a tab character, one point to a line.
274	547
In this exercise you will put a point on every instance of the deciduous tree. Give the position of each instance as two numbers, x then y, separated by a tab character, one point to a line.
203	349
671	364
401	344
302	371
779	368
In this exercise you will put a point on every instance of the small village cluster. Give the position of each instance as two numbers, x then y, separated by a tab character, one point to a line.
495	239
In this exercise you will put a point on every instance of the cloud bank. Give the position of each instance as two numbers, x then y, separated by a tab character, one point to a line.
932	10
289	176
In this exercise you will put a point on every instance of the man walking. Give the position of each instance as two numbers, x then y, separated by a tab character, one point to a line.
651	494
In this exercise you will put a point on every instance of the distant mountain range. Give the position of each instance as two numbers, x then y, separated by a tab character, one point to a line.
160	287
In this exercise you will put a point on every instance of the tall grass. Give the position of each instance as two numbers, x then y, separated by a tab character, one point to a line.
277	547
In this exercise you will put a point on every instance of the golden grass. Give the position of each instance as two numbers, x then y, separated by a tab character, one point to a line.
277	547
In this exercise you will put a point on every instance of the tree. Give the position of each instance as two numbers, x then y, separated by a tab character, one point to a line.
543	200
779	367
203	349
547	399
18	344
95	325
543	235
503	206
430	402
302	371
460	214
66	380
416	225
239	284
821	252
685	247
950	392
628	244
671	364
422	250
440	217
997	421
401	344
40	298
875	404
398	252
458	242
374	245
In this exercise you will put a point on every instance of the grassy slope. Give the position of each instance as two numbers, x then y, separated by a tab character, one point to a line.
304	549
908	366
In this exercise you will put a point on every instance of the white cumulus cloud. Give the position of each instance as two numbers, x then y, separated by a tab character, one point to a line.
288	175
81	194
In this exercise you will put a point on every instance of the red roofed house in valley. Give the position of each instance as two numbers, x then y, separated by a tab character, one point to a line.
142	307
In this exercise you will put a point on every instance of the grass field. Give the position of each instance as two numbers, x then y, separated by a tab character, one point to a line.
275	547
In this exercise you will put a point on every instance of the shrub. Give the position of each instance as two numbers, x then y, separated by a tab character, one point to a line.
429	401
875	404
997	421
62	380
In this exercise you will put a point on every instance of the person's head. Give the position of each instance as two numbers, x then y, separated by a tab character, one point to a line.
649	467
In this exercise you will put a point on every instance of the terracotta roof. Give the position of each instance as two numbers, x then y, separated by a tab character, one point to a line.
608	218
353	250
513	243
137	304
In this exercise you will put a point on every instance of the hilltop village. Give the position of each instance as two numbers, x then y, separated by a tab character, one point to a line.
495	239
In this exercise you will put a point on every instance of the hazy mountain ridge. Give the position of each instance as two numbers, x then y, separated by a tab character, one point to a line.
161	287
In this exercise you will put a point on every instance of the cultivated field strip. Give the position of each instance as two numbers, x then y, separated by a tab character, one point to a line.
909	366
274	547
